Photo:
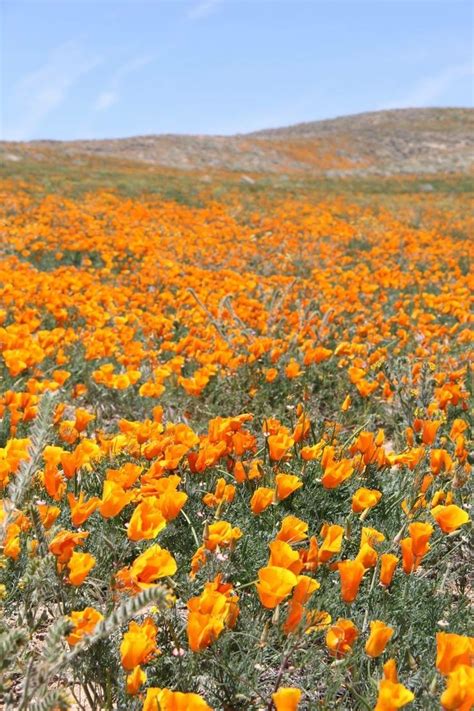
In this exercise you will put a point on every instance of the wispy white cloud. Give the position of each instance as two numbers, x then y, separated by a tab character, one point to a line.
203	9
42	91
111	94
431	88
105	100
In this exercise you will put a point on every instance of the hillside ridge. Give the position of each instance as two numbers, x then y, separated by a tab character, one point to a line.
394	141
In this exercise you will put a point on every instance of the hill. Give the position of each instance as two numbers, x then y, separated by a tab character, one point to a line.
401	141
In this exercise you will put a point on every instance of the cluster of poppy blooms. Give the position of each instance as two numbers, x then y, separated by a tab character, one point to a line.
144	313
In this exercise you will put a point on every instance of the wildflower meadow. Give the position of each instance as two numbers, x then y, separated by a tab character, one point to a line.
234	444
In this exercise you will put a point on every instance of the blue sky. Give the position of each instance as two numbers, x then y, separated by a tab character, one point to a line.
110	68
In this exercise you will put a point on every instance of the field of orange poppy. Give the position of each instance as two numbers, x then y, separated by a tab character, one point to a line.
234	443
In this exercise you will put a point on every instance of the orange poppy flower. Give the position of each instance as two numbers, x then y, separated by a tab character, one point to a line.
197	561
449	518
390	670
262	498
380	634
126	476
365	387
340	637
114	499
420	533
335	473
440	461
223	492
11	543
206	626
452	651
135	681
81	509
210	612
166	700
71	462
138	644
271	374
351	573
303	425
292	530
388	563
53	482
85	622
80	564
293	369
294	617
365	499
150	566
171	502
457	428
317	355
371	536
408	559
255	470
82	419
305	587
308	454
346	404
332	542
286	698
274	584
428	428
367	556
239	472
146	521
459	693
310	555
282	555
317	620
64	542
48	514
222	534
286	484
392	696
279	444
